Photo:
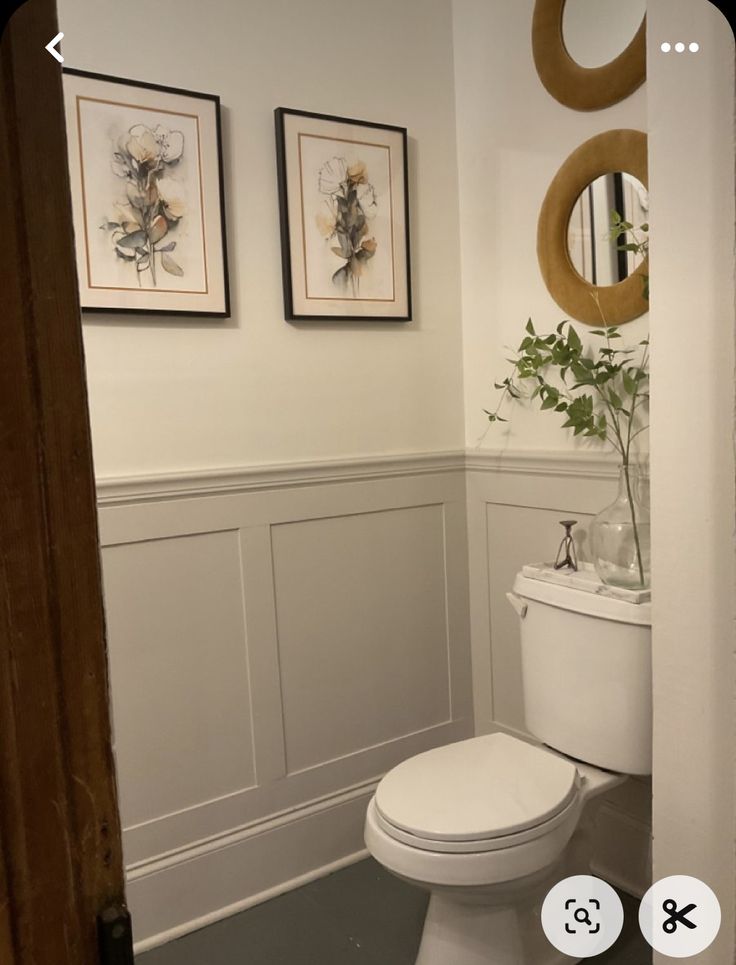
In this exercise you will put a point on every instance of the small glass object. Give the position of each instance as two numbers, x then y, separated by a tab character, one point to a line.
566	555
620	538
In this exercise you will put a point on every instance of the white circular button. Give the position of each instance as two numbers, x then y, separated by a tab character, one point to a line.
582	916
693	48
679	916
679	47
666	48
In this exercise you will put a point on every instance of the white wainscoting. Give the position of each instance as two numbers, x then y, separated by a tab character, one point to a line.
515	502
279	638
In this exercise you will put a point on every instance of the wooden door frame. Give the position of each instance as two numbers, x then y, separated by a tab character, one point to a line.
61	859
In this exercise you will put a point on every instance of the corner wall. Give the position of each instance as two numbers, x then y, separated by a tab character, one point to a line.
691	151
525	476
512	137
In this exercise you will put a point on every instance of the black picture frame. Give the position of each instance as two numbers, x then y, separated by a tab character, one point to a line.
223	277
401	260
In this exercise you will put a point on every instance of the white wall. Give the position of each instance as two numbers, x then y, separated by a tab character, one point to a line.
512	138
168	395
691	150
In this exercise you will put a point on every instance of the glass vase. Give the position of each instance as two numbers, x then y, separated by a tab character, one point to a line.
619	536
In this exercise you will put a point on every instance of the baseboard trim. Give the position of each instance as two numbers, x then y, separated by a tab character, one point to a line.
175	894
162	938
235	836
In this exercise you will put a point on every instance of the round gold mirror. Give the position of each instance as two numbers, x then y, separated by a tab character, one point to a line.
581	265
589	54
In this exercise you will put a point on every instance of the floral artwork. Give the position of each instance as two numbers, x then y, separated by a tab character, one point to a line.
351	204
149	211
343	199
145	164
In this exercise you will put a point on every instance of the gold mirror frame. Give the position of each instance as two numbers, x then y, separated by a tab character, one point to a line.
583	88
619	150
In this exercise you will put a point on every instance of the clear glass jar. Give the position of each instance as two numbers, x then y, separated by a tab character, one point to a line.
620	537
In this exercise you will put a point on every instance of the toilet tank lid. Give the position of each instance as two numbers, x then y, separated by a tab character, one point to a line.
583	592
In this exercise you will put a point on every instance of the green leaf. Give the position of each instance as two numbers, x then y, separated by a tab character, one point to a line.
530	327
574	339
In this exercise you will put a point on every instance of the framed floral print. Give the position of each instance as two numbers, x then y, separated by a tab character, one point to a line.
343	197
145	164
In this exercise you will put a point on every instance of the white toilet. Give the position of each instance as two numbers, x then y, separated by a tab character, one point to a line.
489	824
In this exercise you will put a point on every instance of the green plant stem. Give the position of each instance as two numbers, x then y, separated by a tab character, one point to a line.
624	449
629	437
633	521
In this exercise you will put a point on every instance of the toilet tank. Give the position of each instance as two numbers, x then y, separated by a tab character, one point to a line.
587	666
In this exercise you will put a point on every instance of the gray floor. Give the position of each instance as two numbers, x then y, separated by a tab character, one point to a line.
360	914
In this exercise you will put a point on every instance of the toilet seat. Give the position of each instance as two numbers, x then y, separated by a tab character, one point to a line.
477	795
479	845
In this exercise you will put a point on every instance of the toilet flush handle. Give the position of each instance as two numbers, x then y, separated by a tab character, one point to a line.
517	603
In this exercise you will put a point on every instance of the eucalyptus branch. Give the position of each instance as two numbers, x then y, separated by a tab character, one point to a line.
608	394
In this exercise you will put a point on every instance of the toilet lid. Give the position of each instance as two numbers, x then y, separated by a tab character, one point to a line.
476	789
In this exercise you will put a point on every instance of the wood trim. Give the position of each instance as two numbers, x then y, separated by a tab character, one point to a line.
59	827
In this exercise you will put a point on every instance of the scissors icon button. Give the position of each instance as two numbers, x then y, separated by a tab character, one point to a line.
676	916
680	916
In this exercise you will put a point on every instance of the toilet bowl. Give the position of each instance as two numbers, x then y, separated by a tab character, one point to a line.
489	824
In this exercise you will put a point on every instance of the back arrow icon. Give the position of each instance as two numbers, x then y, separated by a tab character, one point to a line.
50	47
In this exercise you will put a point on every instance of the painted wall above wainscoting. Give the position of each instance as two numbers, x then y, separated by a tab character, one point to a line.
173	394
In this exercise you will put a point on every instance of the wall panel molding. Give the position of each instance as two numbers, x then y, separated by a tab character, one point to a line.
234	479
589	464
461	519
514	503
347	580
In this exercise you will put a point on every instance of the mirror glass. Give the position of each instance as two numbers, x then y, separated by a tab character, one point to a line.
593	253
596	31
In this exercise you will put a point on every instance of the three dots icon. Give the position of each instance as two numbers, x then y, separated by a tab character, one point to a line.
679	47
